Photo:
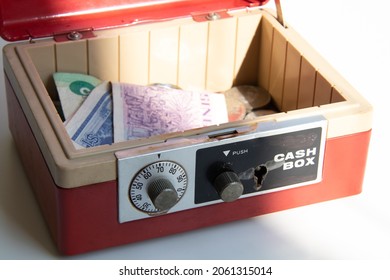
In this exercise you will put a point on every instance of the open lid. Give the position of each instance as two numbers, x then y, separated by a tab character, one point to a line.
21	20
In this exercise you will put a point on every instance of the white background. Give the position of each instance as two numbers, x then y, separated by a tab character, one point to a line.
355	39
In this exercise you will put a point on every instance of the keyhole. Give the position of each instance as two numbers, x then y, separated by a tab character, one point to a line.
259	176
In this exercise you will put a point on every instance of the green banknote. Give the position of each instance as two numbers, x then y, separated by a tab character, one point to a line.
72	89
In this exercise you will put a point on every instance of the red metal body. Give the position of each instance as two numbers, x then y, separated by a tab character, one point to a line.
86	218
43	18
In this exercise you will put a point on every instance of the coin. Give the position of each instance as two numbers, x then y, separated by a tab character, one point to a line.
252	97
235	108
258	113
164	85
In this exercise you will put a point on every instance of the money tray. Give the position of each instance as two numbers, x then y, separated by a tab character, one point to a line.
211	45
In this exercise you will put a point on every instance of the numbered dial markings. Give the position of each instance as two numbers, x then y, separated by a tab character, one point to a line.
160	171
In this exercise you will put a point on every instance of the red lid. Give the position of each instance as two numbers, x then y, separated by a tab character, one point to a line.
26	19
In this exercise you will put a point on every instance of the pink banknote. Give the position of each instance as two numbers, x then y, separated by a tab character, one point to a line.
144	111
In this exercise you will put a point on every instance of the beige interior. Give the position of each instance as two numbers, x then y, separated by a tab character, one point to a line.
212	55
250	47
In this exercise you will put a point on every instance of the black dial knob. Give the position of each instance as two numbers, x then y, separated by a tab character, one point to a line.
162	194
228	186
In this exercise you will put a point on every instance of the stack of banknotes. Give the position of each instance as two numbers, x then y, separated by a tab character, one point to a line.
98	112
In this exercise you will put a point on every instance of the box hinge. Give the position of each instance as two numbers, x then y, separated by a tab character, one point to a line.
279	13
74	36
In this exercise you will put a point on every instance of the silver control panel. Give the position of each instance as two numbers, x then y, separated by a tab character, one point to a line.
219	167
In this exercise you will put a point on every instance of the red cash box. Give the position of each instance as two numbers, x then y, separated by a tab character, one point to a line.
314	149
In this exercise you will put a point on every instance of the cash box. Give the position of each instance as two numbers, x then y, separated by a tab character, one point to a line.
312	149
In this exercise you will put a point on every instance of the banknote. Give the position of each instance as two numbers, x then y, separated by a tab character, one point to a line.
214	109
144	111
72	89
92	124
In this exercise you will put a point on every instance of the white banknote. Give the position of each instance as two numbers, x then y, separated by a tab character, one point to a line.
72	89
92	124
144	111
214	109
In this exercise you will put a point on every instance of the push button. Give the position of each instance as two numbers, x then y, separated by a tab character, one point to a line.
228	186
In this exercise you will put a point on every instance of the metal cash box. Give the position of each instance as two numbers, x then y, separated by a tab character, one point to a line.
314	150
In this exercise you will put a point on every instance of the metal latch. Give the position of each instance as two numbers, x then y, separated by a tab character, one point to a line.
74	36
211	16
215	15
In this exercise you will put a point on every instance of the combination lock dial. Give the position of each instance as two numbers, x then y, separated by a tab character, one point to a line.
158	187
